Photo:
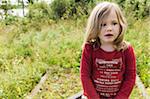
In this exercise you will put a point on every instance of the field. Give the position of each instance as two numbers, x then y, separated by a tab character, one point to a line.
47	39
26	56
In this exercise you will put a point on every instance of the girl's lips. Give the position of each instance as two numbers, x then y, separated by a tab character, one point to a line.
109	35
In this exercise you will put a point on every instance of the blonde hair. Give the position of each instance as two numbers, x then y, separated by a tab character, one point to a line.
95	20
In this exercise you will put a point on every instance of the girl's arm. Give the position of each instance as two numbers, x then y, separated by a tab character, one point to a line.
85	73
129	76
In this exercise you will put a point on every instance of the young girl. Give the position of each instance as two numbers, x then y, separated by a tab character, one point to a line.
108	62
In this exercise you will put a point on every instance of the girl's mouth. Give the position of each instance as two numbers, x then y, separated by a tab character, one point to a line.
109	35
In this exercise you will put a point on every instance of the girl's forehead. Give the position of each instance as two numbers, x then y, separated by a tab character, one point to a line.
110	16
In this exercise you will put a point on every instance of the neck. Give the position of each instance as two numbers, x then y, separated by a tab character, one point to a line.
108	47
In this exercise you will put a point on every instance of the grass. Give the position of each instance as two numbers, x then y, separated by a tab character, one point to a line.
21	65
26	56
138	35
60	86
148	91
136	94
27	52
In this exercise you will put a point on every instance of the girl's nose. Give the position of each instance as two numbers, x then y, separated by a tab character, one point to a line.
109	28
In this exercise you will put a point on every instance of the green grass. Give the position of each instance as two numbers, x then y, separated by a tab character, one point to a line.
62	84
21	65
26	56
27	52
148	91
136	94
138	35
133	34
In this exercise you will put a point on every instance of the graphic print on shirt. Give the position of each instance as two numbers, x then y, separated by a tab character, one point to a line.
108	81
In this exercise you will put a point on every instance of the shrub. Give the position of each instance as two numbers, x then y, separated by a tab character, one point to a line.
139	8
59	7
38	11
69	8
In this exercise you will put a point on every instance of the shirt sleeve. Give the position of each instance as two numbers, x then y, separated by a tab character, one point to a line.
85	73
129	76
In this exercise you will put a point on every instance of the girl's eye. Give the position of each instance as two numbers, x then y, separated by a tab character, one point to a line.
115	23
103	24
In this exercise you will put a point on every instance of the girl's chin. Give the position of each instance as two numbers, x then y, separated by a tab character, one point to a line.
108	41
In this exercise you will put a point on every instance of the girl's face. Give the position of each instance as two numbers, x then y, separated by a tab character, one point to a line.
110	28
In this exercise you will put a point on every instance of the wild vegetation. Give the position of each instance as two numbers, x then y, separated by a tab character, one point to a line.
48	38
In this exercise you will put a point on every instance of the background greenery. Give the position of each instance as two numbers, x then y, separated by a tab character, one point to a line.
50	37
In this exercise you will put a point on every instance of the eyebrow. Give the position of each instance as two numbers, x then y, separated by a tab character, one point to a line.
111	21
114	20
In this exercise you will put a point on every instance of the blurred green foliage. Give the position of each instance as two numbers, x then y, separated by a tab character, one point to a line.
69	8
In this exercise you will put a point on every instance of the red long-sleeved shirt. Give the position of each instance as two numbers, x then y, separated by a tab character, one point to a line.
107	75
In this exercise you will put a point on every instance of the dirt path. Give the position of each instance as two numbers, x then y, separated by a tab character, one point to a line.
38	86
141	87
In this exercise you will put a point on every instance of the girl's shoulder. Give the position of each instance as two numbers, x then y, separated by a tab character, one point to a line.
129	49
91	45
87	45
123	46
